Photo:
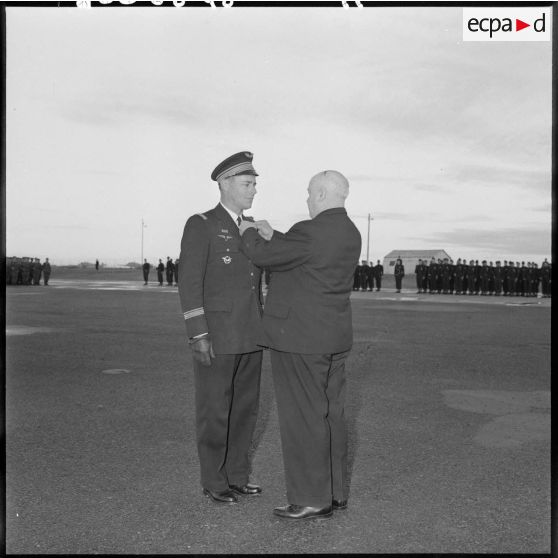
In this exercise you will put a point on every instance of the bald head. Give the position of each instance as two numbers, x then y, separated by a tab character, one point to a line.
327	189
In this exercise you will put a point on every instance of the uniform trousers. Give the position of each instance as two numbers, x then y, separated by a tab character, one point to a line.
310	393
227	397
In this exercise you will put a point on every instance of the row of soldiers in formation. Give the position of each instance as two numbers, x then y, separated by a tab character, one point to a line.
27	271
170	271
445	277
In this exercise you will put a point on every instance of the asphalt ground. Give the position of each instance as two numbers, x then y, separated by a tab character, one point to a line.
448	408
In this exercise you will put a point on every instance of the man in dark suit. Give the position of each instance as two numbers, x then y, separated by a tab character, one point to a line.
307	325
219	291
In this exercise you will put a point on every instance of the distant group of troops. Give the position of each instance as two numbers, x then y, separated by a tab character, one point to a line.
510	279
27	271
473	278
366	275
169	272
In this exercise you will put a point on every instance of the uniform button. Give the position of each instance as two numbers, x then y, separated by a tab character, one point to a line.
252	274
228	250
253	288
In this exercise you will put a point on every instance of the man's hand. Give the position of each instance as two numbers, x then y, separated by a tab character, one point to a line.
202	351
265	229
244	225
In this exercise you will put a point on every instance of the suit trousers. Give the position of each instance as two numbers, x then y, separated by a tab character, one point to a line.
227	398
310	393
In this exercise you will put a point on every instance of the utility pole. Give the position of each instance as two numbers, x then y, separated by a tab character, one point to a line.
142	227
370	218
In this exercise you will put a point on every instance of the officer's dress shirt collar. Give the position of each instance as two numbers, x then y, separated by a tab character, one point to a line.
233	215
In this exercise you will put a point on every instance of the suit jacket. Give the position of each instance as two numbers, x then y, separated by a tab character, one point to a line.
219	286
307	309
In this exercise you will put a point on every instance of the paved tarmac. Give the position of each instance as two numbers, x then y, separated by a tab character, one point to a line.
448	408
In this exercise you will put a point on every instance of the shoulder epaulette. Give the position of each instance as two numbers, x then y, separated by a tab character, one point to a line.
202	215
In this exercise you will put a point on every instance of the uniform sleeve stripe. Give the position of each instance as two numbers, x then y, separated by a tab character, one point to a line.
194	313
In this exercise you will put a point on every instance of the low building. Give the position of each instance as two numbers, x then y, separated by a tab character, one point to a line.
410	259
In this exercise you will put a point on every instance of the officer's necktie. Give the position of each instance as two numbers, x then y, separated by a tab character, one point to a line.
238	220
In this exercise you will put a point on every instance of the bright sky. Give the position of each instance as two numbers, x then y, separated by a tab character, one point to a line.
118	114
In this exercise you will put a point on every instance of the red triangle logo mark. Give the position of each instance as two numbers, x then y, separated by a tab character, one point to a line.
519	25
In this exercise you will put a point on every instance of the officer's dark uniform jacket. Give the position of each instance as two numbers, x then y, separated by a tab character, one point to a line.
218	285
307	309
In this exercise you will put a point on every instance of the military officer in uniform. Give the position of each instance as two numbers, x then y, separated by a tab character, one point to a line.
498	278
170	271
307	324
146	267
378	274
219	290
160	271
418	276
446	276
37	271
432	274
356	278
46	272
399	272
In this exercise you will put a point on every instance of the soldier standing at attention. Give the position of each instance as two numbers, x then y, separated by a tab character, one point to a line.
518	280
458	277
527	279
498	279
37	270
505	270
31	270
483	275
146	268
220	296
356	279
452	276
378	274
170	271
46	271
176	271
160	271
418	276
364	275
399	273
432	275
464	272
535	278
471	277
446	276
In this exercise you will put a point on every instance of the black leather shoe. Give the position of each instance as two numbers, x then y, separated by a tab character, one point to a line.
221	497
302	512
246	489
339	504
